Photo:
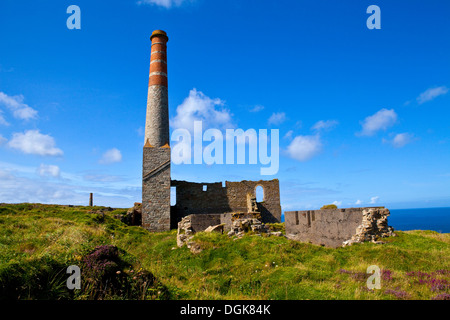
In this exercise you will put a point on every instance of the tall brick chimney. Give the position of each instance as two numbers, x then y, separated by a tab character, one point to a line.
156	153
157	122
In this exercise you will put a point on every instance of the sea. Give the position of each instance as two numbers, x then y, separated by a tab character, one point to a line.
436	219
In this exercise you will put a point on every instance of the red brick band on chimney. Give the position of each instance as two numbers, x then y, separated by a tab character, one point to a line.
158	60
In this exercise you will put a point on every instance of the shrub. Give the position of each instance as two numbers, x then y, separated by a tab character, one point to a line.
442	296
37	279
276	227
329	206
386	275
399	294
104	276
102	263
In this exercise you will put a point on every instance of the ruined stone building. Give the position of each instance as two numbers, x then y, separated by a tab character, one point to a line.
212	202
338	227
209	204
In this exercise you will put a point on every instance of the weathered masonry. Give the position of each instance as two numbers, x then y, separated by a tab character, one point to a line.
204	199
156	153
337	227
233	205
216	198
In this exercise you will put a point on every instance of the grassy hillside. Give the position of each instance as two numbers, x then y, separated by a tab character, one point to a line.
38	242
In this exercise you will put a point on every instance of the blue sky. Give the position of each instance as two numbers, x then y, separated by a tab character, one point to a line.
363	114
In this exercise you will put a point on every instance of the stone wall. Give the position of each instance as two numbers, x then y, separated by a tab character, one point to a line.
329	227
214	198
191	199
270	207
200	222
156	189
235	224
374	226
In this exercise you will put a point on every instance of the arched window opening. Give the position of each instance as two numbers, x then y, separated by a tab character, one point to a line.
173	196
259	194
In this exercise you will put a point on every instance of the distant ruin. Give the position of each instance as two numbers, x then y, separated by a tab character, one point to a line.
232	206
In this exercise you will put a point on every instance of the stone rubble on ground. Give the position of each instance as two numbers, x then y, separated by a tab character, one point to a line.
217	228
184	232
374	226
239	228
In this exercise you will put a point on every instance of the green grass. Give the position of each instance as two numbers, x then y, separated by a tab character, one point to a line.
37	243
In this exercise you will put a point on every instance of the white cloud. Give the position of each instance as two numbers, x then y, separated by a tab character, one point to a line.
19	109
2	119
257	108
358	202
400	140
34	142
5	175
16	189
18	185
325	125
49	171
2	140
337	203
431	93
111	156
102	178
381	120
199	107
374	200
277	118
163	3
303	148
289	134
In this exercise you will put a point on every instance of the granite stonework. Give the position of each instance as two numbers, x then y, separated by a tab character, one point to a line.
335	227
235	225
231	197
229	206
156	189
157	120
